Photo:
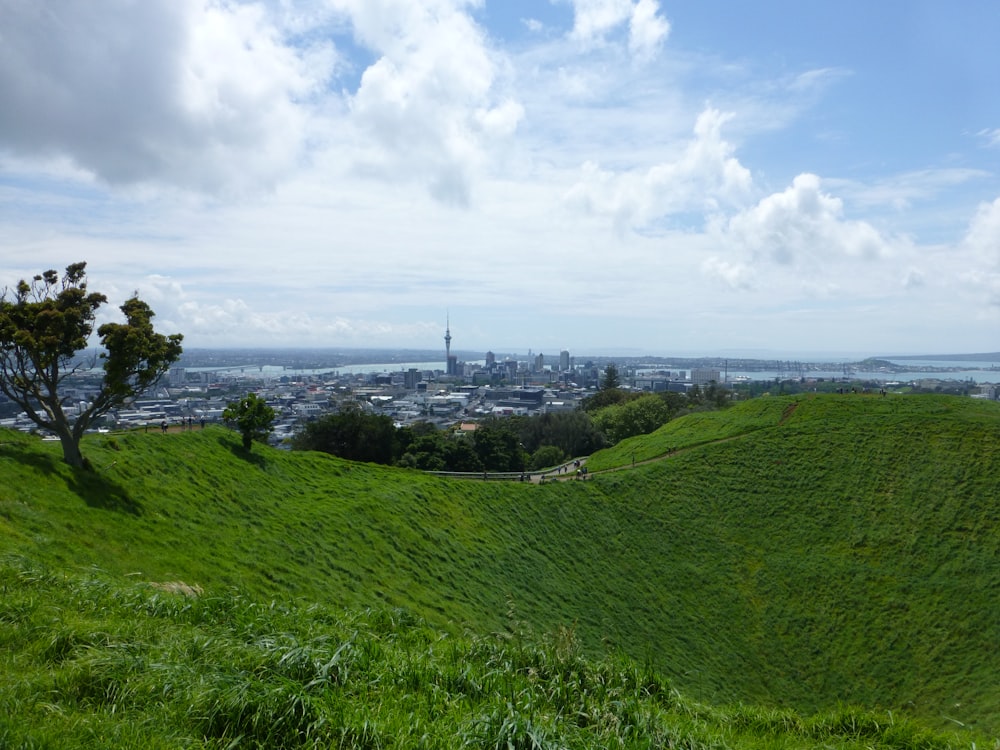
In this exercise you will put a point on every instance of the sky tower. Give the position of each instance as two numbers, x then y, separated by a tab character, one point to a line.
447	338
450	364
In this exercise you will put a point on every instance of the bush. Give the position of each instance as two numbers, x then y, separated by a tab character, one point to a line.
546	456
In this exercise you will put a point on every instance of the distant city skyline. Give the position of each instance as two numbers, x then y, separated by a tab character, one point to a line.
800	180
981	368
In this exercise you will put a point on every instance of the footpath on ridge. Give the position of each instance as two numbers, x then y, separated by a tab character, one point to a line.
558	475
576	468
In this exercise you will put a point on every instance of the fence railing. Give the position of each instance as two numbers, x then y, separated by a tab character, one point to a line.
486	476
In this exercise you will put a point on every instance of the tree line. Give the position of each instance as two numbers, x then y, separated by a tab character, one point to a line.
507	444
510	444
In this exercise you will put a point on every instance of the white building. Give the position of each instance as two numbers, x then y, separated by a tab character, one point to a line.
704	376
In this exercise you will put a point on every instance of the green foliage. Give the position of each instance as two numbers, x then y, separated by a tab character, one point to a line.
636	417
498	445
810	553
43	328
352	434
460	455
494	446
135	356
430	452
437	450
610	380
251	417
607	397
712	395
633	414
546	456
573	432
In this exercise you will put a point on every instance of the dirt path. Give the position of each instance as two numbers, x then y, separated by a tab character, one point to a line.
671	454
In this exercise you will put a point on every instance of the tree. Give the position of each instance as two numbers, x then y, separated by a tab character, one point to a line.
636	417
459	455
353	435
546	456
717	395
611	380
572	431
252	417
44	326
496	443
426	452
607	397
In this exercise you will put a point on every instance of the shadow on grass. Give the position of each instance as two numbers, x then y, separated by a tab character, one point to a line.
89	485
98	491
29	456
237	449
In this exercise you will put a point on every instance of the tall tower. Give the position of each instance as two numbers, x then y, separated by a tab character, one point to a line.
451	363
447	338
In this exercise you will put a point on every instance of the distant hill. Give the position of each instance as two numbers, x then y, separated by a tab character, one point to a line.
981	357
789	552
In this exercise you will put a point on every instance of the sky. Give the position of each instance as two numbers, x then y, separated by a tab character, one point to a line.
604	176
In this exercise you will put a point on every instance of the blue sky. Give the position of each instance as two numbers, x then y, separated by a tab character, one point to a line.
598	175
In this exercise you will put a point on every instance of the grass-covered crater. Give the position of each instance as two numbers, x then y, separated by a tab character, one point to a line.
796	554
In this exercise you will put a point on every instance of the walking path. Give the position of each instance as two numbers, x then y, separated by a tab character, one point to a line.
575	469
547	475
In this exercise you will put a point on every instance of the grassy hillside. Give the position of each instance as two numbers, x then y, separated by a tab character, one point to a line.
93	663
789	552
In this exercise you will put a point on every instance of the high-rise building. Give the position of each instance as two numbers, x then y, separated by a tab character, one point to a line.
564	360
510	365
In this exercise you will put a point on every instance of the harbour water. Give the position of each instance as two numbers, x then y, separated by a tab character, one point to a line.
904	370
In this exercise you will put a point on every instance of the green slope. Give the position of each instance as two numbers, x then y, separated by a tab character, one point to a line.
88	662
788	552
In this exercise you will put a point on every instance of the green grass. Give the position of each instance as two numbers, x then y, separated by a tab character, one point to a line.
693	430
793	554
100	664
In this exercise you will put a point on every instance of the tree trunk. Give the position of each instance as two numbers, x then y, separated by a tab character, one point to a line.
71	448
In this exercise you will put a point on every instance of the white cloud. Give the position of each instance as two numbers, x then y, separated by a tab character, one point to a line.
983	236
705	175
816	81
195	93
735	275
991	136
981	246
428	108
229	320
901	191
647	29
594	20
368	120
803	223
914	278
